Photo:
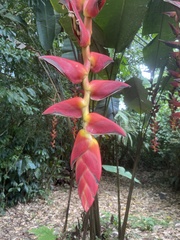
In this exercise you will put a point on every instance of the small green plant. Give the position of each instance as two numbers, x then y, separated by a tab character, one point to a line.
146	223
44	233
109	224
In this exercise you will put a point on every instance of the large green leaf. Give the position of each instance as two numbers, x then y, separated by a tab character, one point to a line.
136	96
24	165
120	21
122	172
69	50
58	7
156	53
46	23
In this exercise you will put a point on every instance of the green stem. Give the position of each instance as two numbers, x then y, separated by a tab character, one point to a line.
131	187
69	200
118	195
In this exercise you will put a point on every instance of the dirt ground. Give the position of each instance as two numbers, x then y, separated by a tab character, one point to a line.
154	213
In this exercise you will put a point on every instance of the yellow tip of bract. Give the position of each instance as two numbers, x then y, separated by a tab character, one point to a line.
99	61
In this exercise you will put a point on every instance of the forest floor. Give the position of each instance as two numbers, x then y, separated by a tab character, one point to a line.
154	213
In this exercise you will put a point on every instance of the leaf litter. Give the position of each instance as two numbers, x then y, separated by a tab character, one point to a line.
154	212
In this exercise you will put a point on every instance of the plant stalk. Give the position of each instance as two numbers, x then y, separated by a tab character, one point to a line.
131	187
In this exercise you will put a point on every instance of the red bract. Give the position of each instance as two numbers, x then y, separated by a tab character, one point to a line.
74	71
171	14
175	102
77	3
87	156
99	61
79	29
175	84
175	30
172	44
175	3
69	108
96	124
174	73
81	145
176	115
92	7
103	88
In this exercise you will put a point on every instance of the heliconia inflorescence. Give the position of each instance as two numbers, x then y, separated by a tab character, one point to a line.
174	102
85	156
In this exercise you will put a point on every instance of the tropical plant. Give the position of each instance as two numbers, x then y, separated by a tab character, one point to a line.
30	156
86	153
26	156
137	97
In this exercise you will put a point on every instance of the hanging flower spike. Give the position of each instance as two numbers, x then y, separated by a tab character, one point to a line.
92	7
96	124
68	108
73	70
101	89
99	61
86	155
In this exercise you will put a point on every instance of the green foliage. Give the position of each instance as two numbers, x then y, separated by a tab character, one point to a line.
109	224
44	233
122	171
146	223
168	149
26	156
117	14
20	182
46	23
136	97
156	55
128	121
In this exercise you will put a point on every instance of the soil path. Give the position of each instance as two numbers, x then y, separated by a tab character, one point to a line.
154	214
